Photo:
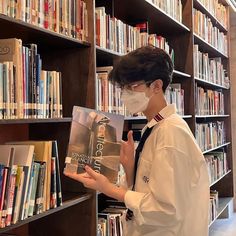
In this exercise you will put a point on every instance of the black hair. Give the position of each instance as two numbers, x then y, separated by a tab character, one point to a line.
147	63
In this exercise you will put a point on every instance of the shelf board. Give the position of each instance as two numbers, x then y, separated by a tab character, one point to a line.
181	74
109	52
187	116
35	121
215	148
223	203
134	118
202	81
199	6
210	116
66	204
216	181
169	19
213	52
108	56
105	56
30	33
159	22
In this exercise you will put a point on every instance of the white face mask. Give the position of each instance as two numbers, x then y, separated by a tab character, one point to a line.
134	101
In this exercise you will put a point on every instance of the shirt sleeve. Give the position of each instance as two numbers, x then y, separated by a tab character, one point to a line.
167	185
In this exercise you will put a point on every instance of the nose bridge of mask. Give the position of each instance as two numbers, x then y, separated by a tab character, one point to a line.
126	93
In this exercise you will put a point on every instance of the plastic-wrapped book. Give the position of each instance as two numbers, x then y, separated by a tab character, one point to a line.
95	138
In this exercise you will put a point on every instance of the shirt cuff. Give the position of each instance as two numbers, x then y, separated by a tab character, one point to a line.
133	202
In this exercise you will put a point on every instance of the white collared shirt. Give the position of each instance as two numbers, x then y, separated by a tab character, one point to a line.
171	196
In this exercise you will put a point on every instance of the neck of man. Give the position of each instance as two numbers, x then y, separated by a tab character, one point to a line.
155	107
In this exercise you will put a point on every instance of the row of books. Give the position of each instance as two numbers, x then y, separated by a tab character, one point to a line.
209	69
214	205
216	164
209	102
217	9
210	135
113	34
109	221
27	91
175	95
108	96
171	7
68	17
29	180
204	28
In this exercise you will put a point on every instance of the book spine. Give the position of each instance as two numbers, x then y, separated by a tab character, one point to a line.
58	177
4	196
11	191
39	192
53	197
36	167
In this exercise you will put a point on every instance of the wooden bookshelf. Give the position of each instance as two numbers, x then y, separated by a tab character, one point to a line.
77	61
181	38
66	204
223	204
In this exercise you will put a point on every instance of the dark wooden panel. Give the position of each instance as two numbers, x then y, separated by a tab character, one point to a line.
139	10
76	220
14	132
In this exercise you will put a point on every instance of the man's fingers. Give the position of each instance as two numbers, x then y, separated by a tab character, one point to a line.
75	176
91	172
130	137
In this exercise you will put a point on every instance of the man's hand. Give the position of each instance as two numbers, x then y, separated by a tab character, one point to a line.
93	180
127	157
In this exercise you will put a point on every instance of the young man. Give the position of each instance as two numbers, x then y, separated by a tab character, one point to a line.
167	188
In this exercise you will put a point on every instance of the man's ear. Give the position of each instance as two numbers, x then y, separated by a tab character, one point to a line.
157	85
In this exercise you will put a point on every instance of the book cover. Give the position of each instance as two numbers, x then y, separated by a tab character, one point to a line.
95	141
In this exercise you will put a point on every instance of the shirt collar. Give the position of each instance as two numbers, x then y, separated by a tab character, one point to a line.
164	113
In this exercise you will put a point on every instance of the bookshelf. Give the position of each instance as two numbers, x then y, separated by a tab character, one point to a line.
233	85
77	61
181	37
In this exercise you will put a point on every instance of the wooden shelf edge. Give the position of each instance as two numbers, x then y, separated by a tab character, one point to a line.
108	51
201	7
35	121
210	83
209	45
223	203
65	205
215	148
210	116
216	181
130	118
179	73
42	30
179	24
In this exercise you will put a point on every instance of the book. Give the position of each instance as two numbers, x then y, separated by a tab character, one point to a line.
58	177
95	138
43	153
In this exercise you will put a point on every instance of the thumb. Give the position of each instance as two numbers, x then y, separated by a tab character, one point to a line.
130	137
91	172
